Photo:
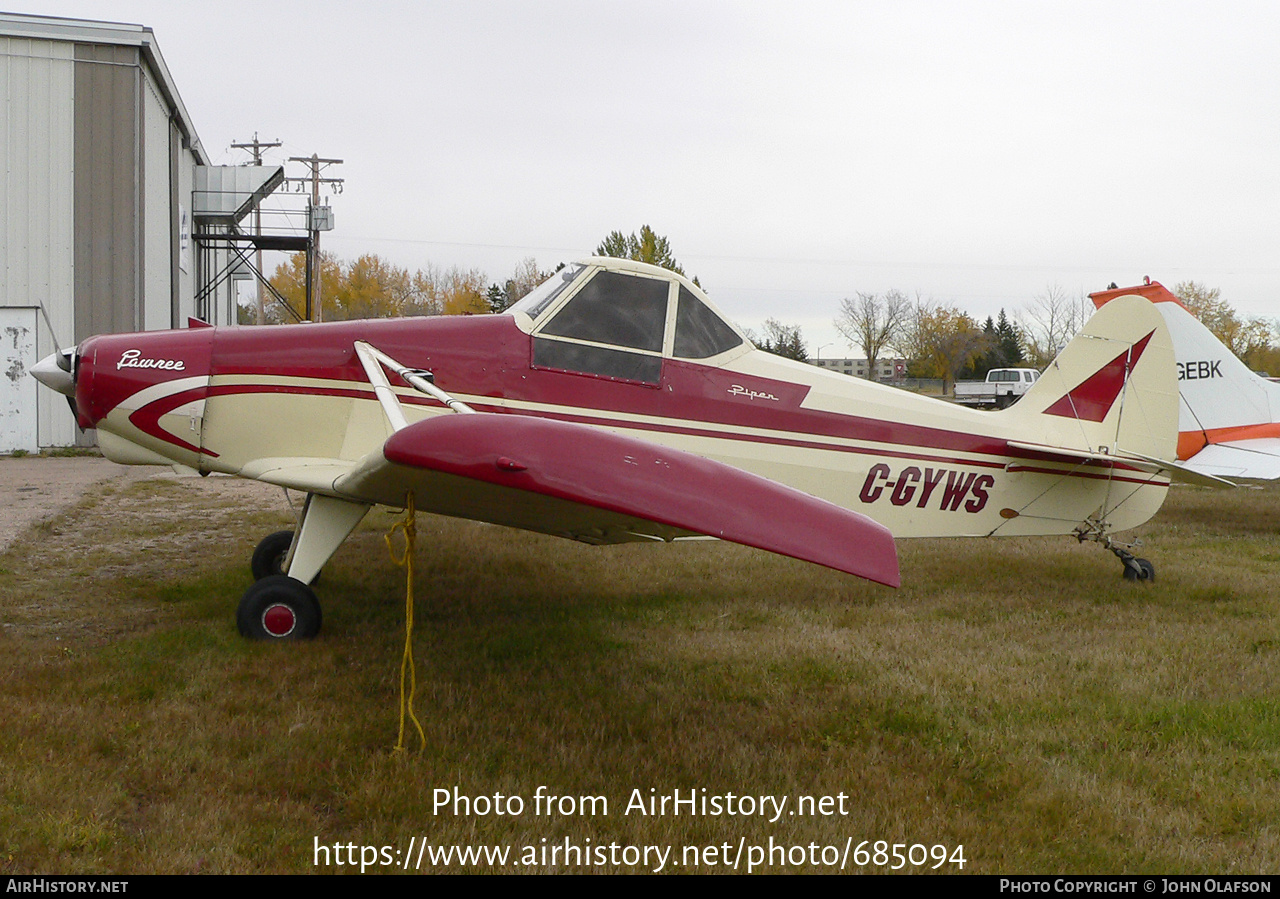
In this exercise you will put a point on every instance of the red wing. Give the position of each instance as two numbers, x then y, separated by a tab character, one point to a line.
575	481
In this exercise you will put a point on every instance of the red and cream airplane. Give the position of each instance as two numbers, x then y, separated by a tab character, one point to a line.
1228	418
613	404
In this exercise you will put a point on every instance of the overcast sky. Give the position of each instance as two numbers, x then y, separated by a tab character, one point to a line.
794	153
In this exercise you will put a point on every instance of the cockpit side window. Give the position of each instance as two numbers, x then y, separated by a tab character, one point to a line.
585	359
615	309
700	333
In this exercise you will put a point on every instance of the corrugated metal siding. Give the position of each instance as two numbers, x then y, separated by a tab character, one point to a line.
175	241
108	211
93	176
37	79
156	220
186	254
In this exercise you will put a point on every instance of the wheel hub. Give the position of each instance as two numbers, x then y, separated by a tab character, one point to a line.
279	620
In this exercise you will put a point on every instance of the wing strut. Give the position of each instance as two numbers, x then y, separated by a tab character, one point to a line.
373	359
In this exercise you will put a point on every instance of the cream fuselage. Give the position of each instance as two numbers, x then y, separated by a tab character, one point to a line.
253	401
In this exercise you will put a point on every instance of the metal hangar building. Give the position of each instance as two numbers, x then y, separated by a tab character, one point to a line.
106	195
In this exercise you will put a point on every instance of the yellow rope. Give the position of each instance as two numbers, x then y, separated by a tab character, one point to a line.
406	662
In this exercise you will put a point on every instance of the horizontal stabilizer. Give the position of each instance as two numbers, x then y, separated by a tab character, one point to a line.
1189	474
1072	454
599	487
1177	470
1255	459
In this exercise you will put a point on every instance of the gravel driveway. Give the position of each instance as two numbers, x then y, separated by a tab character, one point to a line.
35	487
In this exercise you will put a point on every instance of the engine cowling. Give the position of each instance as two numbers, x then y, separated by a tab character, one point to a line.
147	389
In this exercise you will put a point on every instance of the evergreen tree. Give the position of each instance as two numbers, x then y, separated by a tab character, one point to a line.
496	298
781	340
1008	343
647	247
1004	348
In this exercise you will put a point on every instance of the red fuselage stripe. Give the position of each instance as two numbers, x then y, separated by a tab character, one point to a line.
368	394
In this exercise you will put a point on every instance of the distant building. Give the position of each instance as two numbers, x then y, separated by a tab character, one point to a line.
109	206
886	369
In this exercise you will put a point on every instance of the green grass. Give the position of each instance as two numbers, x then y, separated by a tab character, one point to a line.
1014	697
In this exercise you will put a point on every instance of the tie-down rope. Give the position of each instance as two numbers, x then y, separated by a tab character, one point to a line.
406	524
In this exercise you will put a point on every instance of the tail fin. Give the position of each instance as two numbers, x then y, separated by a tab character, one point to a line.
1222	402
1109	404
1112	390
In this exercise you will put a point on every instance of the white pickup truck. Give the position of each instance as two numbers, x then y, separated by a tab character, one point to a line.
1003	387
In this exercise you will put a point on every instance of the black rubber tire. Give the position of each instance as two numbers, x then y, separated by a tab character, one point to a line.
278	608
1148	571
269	555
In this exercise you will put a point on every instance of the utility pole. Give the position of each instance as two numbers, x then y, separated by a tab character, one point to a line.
257	147
315	225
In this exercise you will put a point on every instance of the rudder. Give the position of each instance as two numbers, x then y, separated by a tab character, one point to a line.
1112	390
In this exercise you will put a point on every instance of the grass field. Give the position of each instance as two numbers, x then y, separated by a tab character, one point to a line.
1015	697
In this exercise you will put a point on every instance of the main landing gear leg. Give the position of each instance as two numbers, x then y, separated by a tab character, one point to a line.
281	605
1135	569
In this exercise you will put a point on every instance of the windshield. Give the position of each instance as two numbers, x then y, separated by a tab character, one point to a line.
616	308
541	296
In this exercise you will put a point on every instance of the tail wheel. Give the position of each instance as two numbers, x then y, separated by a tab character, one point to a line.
279	608
1144	570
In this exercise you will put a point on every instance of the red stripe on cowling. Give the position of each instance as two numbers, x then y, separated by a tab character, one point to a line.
147	419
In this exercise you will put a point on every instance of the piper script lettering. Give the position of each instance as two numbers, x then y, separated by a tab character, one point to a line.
739	390
132	359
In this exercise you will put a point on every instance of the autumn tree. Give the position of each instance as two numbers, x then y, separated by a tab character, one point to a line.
941	341
451	291
874	322
1248	338
371	287
463	292
290	281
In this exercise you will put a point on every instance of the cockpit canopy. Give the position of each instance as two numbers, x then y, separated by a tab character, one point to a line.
618	319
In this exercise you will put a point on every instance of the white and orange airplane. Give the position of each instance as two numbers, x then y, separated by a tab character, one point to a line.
615	404
1228	417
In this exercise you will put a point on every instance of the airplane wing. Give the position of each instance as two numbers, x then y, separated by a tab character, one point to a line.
591	485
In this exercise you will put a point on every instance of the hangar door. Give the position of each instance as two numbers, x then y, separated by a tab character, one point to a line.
17	387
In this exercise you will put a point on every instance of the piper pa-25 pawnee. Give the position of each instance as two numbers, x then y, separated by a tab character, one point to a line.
1228	418
616	404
